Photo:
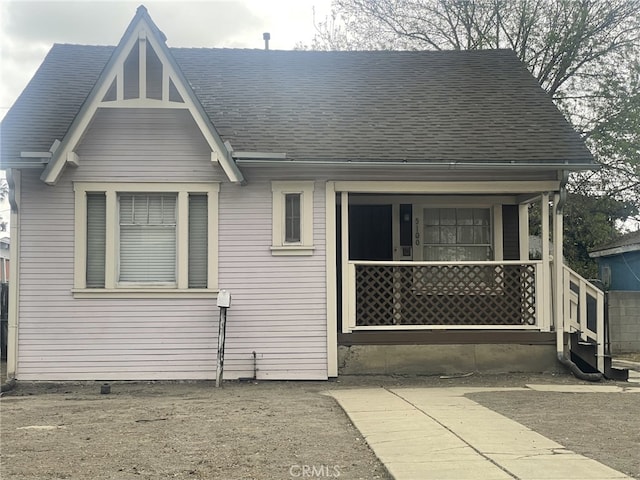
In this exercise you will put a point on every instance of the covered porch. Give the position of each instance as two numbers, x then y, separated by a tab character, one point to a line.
450	263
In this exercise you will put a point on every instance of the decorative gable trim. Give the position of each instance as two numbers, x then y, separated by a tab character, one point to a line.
124	83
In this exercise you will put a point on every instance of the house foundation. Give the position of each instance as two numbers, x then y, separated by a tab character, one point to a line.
445	359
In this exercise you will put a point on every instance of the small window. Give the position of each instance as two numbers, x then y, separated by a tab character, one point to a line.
292	218
96	239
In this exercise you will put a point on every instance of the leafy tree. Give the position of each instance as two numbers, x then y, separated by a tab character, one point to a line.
592	224
584	53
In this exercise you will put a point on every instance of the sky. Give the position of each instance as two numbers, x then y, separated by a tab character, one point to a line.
28	28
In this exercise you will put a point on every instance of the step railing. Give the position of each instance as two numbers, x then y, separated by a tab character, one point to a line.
584	314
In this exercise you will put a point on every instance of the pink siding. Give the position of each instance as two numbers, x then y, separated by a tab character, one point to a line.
278	307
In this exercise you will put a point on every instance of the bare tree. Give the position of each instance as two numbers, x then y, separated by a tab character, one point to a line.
584	53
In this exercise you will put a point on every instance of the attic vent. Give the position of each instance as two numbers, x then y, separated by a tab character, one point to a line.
142	76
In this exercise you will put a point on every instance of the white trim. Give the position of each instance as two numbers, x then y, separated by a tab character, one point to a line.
497	187
144	293
444	327
545	293
344	260
138	29
292	250
13	322
112	286
426	264
497	232
331	277
523	227
182	244
279	189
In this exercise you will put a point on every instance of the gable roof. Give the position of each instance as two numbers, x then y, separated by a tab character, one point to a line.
629	242
431	108
143	34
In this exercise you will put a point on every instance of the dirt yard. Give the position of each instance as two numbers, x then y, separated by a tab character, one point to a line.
265	430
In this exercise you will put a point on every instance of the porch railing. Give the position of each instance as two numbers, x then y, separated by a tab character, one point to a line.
584	312
409	295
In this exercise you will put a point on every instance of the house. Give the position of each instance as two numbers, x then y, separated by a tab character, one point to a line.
619	263
367	211
619	271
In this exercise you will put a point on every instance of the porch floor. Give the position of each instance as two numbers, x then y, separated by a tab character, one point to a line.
438	433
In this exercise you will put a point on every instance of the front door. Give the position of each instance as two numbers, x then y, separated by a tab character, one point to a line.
370	232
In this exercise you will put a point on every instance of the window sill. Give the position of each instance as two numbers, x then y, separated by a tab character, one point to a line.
144	293
293	250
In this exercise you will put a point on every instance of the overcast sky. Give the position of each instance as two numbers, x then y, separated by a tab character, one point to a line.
28	29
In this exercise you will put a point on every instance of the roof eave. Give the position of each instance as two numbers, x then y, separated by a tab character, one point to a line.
271	161
608	252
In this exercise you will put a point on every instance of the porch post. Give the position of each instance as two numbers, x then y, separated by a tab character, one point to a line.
523	220
558	273
330	269
346	287
545	321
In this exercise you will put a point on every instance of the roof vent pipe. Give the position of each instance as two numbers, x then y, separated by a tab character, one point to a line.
266	36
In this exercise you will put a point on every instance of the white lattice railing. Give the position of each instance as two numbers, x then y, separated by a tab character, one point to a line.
584	312
441	295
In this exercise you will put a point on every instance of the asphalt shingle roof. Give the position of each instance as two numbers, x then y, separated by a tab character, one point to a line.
480	106
627	240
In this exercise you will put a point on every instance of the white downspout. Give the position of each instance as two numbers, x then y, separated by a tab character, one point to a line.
558	275
14	181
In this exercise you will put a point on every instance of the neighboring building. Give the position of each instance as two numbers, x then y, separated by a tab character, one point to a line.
619	263
619	270
366	210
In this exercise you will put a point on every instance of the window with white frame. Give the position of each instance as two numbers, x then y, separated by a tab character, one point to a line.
456	234
146	237
292	217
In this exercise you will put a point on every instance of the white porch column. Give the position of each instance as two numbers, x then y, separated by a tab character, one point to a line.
523	220
545	319
558	274
344	229
332	289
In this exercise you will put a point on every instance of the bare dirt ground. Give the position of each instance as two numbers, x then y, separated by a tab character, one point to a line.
267	430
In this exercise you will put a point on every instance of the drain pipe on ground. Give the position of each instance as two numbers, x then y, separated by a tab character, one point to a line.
559	201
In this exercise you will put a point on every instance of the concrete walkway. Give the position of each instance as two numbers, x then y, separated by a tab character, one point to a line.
437	433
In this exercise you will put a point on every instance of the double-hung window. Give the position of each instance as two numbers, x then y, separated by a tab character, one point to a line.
145	238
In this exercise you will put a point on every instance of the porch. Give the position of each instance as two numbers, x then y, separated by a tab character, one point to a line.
450	281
